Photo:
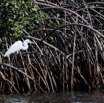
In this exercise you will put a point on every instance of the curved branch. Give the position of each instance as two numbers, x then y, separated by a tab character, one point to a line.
15	68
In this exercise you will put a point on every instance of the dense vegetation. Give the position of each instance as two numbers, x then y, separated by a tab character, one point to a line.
69	54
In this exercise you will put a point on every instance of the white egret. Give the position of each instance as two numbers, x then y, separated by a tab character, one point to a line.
17	46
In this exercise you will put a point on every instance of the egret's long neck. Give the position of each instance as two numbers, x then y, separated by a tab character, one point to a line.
25	46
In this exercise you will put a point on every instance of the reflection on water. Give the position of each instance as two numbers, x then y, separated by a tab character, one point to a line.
79	97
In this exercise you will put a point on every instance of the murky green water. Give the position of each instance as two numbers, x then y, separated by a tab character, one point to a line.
91	97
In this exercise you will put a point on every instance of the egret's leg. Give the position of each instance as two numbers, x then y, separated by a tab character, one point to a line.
9	58
10	62
17	52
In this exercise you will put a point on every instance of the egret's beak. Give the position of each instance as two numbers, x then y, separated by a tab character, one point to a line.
33	42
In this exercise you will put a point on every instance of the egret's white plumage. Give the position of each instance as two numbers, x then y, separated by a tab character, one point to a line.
17	46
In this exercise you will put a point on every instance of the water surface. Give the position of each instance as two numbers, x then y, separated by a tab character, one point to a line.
77	97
